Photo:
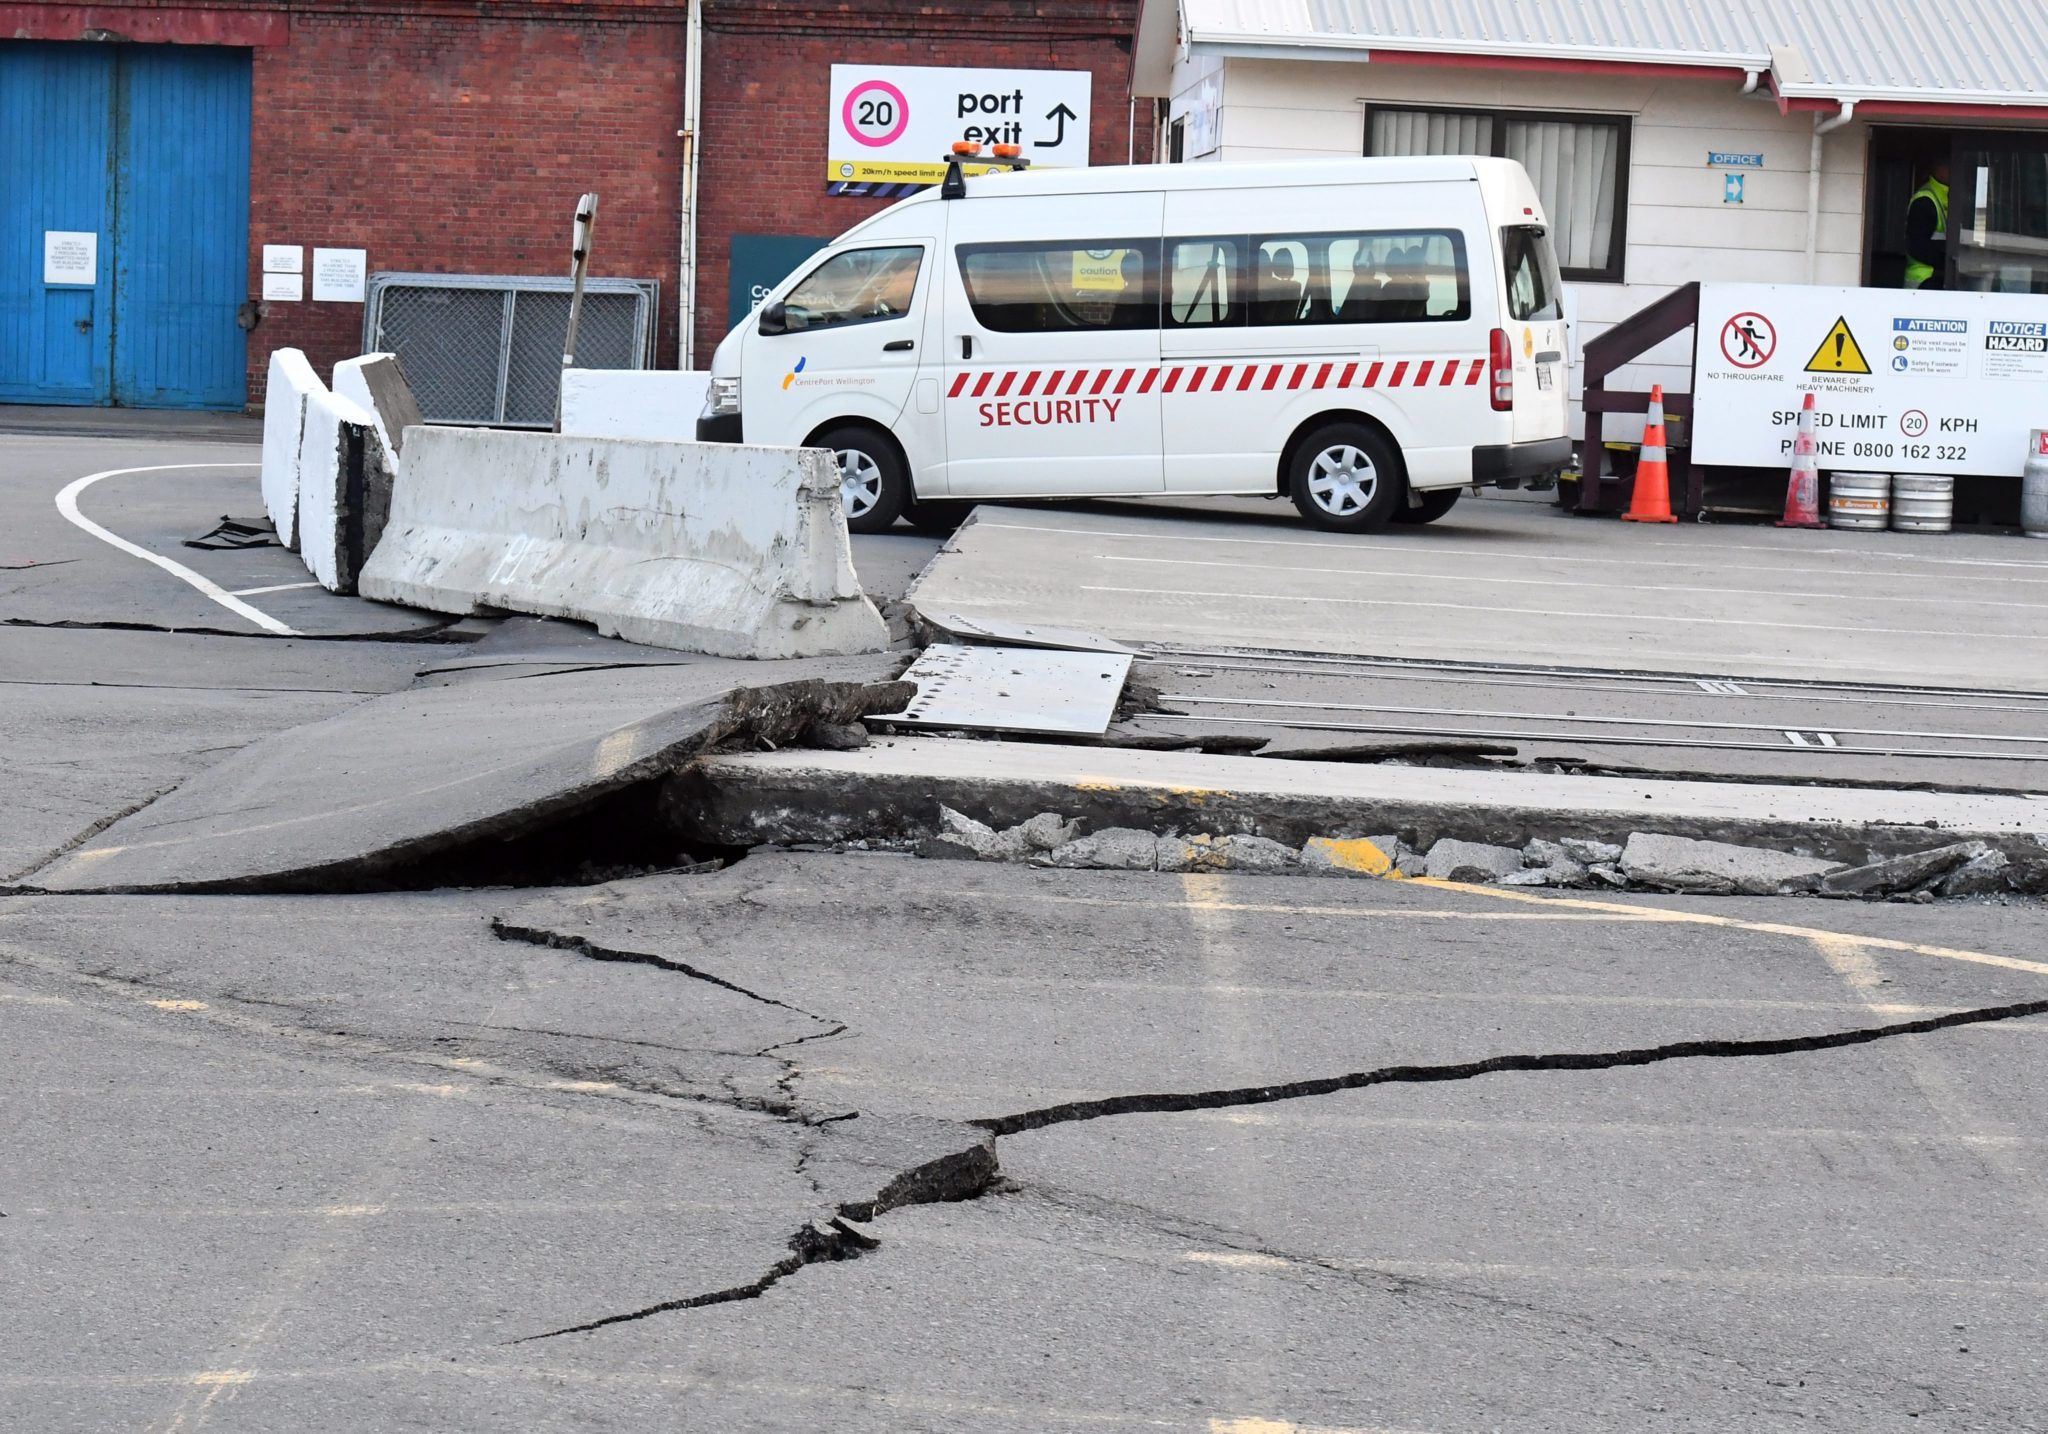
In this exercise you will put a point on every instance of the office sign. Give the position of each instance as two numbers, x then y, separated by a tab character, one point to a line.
1903	381
891	126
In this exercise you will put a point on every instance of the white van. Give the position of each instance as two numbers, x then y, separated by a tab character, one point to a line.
1366	336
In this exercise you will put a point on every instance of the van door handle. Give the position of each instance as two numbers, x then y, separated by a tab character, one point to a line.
898	346
966	346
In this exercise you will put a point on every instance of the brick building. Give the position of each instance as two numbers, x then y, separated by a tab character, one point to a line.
436	137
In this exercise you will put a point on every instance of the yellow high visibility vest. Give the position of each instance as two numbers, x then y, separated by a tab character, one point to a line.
1934	190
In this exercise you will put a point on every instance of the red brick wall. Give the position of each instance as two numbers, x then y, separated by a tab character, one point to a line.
767	81
454	143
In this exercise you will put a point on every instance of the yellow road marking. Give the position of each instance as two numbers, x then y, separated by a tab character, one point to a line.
178	1005
1767	928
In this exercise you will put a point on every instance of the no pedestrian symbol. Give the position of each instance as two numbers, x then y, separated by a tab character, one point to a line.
1838	352
1748	340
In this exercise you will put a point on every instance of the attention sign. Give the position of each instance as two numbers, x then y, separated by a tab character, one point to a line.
1904	381
892	125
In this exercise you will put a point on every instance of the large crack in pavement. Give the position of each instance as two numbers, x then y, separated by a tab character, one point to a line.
973	1170
1170	1102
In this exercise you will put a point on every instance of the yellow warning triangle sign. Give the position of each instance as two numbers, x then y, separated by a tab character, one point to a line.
1838	352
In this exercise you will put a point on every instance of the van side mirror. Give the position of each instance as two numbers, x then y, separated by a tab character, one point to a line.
775	319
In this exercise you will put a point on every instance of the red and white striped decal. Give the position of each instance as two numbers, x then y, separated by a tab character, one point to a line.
1208	378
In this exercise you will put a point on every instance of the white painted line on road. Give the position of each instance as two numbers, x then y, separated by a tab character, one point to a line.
1687	620
273	588
1605	560
67	504
1916	598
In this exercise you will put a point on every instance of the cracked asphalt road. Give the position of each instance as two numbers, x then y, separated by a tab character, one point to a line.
294	1162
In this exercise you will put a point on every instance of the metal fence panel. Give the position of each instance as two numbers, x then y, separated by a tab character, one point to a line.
487	348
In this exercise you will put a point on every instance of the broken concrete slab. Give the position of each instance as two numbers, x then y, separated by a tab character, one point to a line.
1718	868
349	803
1453	860
962	836
1556	859
1591	853
1113	849
1901	873
1353	856
1980	876
789	797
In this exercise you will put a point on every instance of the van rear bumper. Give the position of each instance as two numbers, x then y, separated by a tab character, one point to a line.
1509	465
719	428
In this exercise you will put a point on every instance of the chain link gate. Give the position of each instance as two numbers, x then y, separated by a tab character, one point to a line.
487	348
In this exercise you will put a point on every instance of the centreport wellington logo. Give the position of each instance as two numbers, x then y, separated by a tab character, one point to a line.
790	377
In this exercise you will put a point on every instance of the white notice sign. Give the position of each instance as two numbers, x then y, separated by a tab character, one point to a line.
891	126
71	256
284	259
284	288
339	275
1904	381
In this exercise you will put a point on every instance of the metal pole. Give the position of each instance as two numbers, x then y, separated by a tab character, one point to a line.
579	265
693	122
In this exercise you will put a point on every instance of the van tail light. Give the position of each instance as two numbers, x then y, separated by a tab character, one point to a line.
1500	365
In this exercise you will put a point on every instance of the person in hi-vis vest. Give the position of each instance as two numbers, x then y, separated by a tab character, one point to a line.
1927	232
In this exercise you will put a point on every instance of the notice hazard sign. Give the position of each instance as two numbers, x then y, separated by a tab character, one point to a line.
1838	352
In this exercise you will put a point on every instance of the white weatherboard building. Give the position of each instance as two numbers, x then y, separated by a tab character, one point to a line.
1768	140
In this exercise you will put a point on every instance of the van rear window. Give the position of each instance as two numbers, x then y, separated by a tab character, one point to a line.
1534	292
1062	286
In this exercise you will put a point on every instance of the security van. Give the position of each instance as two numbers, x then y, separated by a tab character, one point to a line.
1368	337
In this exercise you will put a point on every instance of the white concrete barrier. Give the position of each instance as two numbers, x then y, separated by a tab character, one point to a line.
377	383
343	475
720	548
633	403
284	412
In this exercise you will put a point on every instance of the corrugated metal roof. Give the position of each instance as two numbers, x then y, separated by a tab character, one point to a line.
1930	51
1645	31
1950	51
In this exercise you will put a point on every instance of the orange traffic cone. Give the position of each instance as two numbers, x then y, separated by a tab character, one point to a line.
1651	502
1802	494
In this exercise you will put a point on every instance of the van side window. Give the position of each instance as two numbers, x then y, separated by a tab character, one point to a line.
1531	268
860	286
1063	286
1400	277
1205	283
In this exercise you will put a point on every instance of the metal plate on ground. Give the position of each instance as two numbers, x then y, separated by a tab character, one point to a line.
1013	689
1021	634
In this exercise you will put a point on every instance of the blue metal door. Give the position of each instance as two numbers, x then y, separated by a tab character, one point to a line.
56	128
181	226
144	148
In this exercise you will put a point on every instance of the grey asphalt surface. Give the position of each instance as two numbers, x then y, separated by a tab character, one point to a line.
292	1162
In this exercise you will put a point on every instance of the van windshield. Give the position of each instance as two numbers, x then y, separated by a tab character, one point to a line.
1534	292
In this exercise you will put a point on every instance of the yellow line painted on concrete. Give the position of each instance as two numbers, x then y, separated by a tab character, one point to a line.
1766	928
1283	1426
176	1005
354	1211
616	752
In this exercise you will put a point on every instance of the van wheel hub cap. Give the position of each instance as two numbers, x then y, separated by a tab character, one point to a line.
860	482
1343	480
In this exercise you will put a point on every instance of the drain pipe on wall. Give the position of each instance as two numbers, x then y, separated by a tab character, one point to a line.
1820	128
693	105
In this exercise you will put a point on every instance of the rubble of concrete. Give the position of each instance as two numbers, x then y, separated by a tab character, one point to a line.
1648	861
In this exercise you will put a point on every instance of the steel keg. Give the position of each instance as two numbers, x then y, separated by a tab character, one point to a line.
1923	502
1859	500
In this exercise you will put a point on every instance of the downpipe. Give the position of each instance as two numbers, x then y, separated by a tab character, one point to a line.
1821	127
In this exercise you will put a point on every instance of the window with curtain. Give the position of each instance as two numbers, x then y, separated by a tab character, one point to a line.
1579	164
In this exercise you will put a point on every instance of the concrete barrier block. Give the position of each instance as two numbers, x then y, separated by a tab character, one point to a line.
284	413
377	383
719	548
341	464
633	403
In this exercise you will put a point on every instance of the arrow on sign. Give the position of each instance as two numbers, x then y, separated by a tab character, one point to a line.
1061	113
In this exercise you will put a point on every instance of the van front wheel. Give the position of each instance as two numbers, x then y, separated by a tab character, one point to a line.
872	482
1347	478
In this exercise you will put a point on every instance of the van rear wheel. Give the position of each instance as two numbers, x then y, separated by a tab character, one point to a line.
1434	505
873	483
1346	478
